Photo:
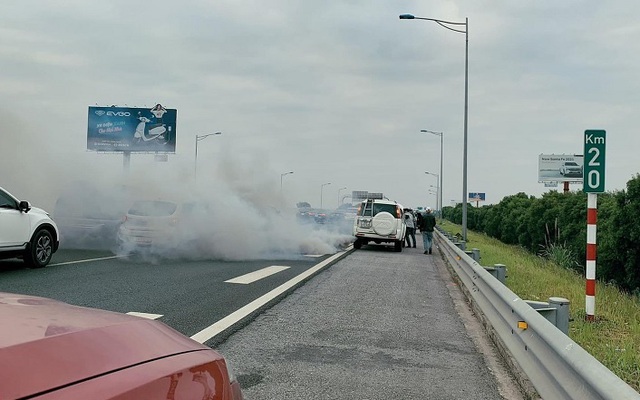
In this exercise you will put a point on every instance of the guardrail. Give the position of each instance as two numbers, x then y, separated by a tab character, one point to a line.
556	366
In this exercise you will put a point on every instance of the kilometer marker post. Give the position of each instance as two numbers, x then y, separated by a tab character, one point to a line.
593	183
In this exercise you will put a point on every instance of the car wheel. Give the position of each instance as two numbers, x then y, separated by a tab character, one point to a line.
357	244
40	249
398	246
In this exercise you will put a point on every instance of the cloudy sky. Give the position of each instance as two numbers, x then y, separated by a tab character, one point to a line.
336	91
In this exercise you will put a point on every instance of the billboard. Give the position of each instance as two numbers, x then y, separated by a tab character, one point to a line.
132	129
560	168
476	196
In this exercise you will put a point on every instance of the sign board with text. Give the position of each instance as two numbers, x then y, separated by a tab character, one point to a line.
594	157
130	129
560	168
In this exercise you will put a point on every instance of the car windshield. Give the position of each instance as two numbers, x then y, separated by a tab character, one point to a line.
153	208
571	164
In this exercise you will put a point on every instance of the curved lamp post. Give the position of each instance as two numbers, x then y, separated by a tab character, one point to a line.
281	175
195	162
436	187
440	184
321	187
448	25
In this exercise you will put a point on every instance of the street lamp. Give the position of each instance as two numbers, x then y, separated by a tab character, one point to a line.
195	162
322	187
440	184
281	175
447	25
438	206
339	190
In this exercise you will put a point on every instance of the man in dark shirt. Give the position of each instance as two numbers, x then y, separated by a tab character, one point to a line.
428	223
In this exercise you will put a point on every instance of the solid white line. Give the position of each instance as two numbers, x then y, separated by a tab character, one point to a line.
144	315
214	329
257	275
87	260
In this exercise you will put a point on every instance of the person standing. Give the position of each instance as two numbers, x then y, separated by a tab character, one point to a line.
427	226
410	221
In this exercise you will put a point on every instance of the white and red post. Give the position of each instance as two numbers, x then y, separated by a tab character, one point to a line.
592	218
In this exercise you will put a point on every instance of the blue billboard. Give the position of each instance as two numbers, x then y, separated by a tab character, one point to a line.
132	129
476	196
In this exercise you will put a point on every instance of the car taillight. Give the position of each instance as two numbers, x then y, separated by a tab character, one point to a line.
398	212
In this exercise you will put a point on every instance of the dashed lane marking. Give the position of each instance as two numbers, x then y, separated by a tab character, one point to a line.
257	275
144	315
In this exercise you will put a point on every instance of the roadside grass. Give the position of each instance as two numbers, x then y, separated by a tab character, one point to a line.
613	339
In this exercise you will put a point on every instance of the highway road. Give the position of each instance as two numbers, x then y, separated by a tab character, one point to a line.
371	323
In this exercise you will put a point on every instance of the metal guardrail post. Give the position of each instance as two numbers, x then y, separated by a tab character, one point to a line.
555	311
476	254
498	271
501	272
562	313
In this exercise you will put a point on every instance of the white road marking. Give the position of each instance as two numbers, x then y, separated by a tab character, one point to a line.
220	326
314	255
87	260
144	315
257	275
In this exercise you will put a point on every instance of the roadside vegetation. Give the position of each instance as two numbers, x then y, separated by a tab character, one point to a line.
614	337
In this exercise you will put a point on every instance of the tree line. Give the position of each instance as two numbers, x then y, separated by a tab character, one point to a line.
557	223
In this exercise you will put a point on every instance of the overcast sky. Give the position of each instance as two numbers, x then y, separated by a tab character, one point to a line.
335	90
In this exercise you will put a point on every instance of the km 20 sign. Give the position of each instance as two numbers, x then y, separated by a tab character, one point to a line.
594	145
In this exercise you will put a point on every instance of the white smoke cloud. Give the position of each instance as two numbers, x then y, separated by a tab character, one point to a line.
246	216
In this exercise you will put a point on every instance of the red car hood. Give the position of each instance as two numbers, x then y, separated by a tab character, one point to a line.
46	344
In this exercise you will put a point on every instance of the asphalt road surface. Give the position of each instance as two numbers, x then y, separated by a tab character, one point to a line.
375	325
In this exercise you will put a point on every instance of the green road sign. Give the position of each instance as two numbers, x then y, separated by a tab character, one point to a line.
594	146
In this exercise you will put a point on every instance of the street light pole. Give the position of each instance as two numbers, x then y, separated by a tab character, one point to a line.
441	155
339	190
322	187
195	162
281	175
446	24
438	206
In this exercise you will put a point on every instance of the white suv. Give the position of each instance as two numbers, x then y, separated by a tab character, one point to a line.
379	221
26	232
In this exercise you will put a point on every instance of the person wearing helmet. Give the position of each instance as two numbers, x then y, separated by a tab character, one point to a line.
428	223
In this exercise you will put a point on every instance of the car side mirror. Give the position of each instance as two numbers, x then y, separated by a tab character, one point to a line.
24	206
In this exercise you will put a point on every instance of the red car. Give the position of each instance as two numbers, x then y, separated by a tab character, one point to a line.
53	350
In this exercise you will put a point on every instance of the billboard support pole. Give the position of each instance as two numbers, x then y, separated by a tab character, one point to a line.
126	161
566	187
